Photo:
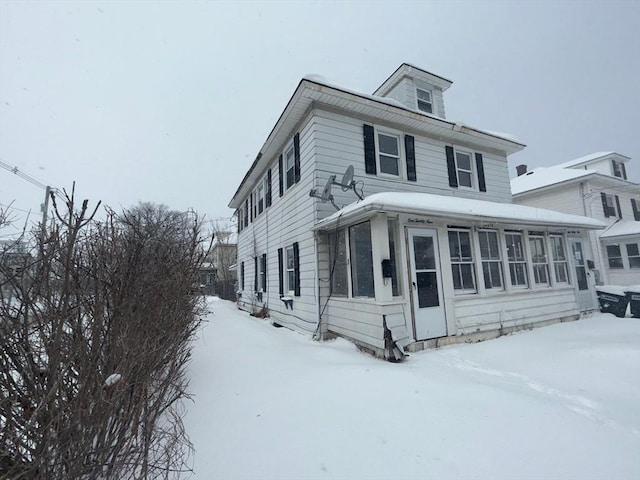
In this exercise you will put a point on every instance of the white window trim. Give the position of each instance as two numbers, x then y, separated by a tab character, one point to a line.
482	287
621	256
289	148
401	154
289	291
534	264
507	262
472	262
553	262
474	183
418	100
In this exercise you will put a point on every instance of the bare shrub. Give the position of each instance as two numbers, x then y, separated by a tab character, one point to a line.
94	338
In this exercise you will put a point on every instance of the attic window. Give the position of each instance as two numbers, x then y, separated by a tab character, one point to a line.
425	103
619	170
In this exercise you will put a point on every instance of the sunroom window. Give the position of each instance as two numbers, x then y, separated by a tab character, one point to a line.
614	256
634	255
560	268
539	260
338	263
360	250
491	259
462	267
516	259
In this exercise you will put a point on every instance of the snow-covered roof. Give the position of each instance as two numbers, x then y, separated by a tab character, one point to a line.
585	159
317	90
545	176
458	208
621	228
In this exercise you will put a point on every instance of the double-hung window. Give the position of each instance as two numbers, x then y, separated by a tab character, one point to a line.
262	273
619	170
290	166
462	267
260	198
614	256
491	259
633	254
539	260
425	102
388	153
516	259
464	169
290	275
559	256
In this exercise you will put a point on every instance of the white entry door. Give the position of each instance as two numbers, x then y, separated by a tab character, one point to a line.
426	284
584	292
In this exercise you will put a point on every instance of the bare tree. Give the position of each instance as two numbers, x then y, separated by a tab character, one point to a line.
94	339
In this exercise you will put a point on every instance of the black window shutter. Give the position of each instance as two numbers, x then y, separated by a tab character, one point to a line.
280	175
369	150
624	171
268	196
296	269
252	206
242	275
280	273
480	168
296	156
451	167
410	149
255	274
239	220
618	207
603	197
636	209
264	271
246	213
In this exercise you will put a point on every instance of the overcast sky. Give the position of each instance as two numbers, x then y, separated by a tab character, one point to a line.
170	102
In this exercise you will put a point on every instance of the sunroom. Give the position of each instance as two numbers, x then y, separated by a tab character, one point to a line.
409	270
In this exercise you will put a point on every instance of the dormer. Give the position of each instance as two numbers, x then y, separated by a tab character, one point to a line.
606	163
416	89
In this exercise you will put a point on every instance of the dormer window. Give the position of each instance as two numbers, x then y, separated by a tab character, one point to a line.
425	102
618	169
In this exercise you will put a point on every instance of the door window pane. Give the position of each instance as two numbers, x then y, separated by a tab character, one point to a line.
427	289
423	252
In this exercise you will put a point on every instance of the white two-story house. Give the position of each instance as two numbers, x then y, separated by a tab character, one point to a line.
374	218
595	186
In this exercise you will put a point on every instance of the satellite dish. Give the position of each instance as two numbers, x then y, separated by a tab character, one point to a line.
347	179
326	191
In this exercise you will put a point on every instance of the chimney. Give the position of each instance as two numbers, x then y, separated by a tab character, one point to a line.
521	169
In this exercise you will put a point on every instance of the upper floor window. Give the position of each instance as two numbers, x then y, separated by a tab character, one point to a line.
425	102
618	169
289	166
464	169
609	204
260	198
388	153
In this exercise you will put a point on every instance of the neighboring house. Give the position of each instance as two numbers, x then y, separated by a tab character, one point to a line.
435	253
595	186
218	273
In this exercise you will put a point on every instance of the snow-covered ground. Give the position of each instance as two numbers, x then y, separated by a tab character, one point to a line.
560	402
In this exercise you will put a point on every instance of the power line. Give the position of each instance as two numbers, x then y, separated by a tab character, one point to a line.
21	174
